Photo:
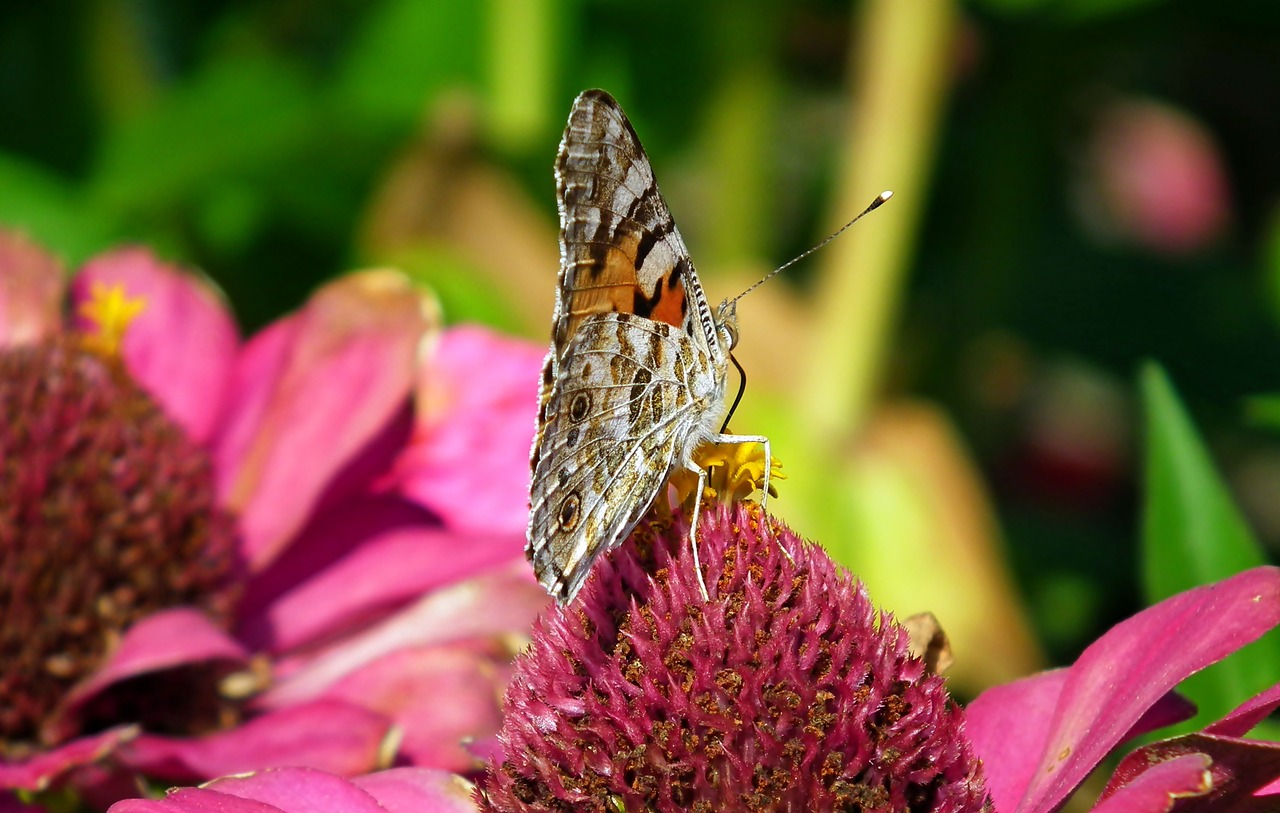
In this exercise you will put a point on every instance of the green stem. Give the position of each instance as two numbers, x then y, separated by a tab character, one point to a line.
900	79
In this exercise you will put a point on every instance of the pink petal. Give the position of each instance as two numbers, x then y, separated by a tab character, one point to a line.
418	790
1157	788
312	392
329	735
478	396
1234	769
163	640
1008	726
1247	715
499	604
299	791
1125	672
193	800
486	749
31	290
39	772
182	346
373	554
439	696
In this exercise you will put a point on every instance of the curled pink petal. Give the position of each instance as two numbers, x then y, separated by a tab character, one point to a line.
1122	674
40	771
372	554
477	399
182	345
328	735
1234	770
163	640
31	287
1247	715
418	790
439	696
314	390
1161	785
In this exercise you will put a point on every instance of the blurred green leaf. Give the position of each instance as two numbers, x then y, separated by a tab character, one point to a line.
405	53
1271	262
235	119
1264	410
47	208
1192	535
1070	10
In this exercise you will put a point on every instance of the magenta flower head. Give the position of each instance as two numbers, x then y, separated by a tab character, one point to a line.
207	565
785	691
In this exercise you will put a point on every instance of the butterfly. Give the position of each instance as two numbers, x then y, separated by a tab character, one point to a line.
635	379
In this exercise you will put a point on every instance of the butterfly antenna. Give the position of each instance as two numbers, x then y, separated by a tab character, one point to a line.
875	204
742	387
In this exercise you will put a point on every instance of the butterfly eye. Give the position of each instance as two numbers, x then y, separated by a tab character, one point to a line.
730	332
569	512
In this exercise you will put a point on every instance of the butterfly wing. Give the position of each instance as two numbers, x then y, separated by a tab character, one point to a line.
621	413
620	250
620	254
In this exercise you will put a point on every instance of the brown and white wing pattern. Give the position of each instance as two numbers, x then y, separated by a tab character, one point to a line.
621	413
633	345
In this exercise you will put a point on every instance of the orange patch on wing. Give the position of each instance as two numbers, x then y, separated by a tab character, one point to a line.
670	307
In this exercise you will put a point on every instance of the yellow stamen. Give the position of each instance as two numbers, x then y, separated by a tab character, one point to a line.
110	310
734	471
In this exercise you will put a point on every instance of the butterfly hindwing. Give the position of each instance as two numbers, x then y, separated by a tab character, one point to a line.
621	402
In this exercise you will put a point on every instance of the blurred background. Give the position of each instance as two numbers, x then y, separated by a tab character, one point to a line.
952	387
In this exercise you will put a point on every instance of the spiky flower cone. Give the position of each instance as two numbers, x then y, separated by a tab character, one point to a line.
787	691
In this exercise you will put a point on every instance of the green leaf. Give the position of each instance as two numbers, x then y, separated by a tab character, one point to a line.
1192	535
46	207
1264	410
237	119
405	52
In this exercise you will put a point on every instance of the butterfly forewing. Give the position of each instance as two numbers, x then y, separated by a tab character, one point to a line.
620	249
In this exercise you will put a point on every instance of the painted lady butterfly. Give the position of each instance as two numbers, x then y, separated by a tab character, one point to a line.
635	379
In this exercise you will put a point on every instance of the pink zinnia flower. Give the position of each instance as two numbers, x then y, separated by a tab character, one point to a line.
188	520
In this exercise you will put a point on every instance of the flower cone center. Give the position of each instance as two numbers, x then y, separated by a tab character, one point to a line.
785	691
107	514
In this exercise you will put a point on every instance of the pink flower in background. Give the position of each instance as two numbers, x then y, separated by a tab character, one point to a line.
208	567
298	790
468	460
1155	178
1041	736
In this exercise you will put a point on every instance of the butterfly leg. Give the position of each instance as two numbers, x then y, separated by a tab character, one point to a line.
764	483
693	531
